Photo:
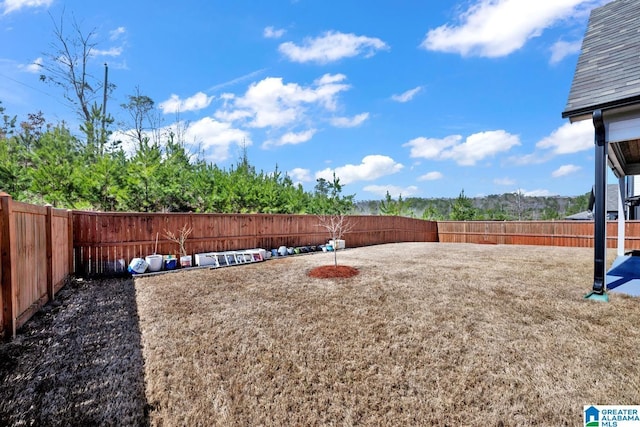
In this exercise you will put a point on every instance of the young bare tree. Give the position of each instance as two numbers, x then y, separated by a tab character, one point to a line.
337	226
67	66
180	238
144	118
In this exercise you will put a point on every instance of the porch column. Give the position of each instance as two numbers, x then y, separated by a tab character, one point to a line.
622	216
600	190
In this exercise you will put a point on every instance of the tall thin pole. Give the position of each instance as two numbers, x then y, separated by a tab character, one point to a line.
600	189
104	109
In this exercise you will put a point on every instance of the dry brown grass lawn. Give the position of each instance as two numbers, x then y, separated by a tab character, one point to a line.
426	334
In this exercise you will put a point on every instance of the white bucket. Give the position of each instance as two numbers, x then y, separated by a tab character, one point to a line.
338	244
138	265
154	261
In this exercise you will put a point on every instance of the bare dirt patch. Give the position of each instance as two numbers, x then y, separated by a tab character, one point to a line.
333	272
77	362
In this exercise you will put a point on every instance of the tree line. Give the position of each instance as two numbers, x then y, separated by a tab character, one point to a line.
495	207
45	163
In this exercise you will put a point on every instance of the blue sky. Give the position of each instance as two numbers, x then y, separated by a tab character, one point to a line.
419	98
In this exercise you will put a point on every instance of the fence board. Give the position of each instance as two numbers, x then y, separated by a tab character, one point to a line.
543	233
7	255
31	261
60	243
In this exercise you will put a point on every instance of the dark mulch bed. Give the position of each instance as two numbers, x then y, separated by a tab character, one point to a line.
78	361
333	272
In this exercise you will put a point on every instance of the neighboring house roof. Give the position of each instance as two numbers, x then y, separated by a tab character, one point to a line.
612	204
612	197
608	70
581	216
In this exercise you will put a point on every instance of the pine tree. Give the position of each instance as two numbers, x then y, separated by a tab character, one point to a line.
462	209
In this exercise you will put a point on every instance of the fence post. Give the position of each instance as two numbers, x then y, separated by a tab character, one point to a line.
9	297
49	246
71	268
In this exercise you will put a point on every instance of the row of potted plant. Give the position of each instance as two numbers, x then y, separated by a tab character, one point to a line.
157	262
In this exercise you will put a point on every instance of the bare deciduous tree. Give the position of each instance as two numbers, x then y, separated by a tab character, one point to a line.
181	238
337	226
144	120
67	66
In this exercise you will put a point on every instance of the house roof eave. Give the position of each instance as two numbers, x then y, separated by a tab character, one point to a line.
586	113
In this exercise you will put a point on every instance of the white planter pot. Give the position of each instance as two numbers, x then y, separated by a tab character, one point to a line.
185	261
154	261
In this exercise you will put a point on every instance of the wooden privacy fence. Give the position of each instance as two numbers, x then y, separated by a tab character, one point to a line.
542	233
36	258
42	246
103	242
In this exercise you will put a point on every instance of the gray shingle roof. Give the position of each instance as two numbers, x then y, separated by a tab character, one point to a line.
612	204
608	69
612	197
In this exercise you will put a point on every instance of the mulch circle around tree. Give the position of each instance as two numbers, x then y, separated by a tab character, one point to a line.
333	272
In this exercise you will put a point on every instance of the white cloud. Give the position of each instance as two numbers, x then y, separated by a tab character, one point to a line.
562	49
536	193
530	159
15	5
476	147
35	67
232	116
234	81
113	52
327	79
407	96
569	138
215	137
296	138
394	190
271	103
300	175
431	176
176	105
431	148
332	46
480	146
126	141
494	28
372	167
115	34
273	33
504	181
349	122
565	170
291	138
